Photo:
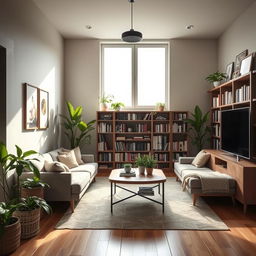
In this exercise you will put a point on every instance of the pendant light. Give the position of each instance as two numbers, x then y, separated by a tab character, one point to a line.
131	36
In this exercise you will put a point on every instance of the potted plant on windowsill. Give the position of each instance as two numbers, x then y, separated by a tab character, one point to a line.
117	106
160	106
104	101
150	164
141	163
216	78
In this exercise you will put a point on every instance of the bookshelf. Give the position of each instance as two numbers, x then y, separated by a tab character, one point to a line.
237	93
124	135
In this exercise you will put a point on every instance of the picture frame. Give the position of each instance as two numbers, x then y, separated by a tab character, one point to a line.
246	65
30	107
43	109
229	71
239	58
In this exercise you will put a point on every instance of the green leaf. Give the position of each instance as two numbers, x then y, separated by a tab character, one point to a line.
3	151
29	153
82	126
18	150
70	109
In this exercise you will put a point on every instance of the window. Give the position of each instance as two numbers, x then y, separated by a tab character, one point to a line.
135	74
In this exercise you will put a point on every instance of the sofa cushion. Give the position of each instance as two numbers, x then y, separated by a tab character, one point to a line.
55	167
68	158
201	159
47	157
78	181
90	168
54	154
183	167
77	152
39	163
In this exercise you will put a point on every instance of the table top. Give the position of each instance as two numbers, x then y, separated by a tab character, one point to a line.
157	177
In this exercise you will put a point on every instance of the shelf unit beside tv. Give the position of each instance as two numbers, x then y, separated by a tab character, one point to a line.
123	135
236	93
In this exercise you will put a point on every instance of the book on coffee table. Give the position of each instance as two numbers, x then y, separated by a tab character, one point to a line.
126	174
146	191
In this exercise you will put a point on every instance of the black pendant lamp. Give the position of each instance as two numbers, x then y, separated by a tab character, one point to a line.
132	36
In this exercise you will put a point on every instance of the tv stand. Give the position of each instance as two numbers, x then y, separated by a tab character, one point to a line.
243	171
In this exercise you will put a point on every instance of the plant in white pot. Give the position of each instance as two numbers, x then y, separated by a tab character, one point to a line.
216	78
150	164
104	101
117	106
160	106
141	164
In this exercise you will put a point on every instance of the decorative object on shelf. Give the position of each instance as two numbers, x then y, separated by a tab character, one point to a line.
141	163
77	130
132	36
236	74
229	71
117	106
216	78
43	110
160	106
127	168
246	65
239	58
150	164
104	101
198	128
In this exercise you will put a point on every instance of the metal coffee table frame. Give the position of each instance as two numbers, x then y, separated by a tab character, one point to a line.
113	187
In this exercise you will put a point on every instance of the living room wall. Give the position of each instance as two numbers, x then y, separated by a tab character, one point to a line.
190	62
240	35
35	56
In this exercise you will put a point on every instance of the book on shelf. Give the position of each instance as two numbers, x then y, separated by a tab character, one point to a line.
226	98
216	130
161	156
105	157
216	114
127	157
160	142
179	128
104	127
216	144
162	128
216	101
103	116
242	94
180	145
159	117
180	116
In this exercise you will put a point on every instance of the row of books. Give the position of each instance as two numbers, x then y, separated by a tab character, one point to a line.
102	144
216	114
226	98
242	94
134	128
180	116
105	157
216	130
133	116
176	156
127	138
180	145
161	156
179	127
105	116
105	166
104	127
132	146
162	128
216	144
120	157
216	101
161	142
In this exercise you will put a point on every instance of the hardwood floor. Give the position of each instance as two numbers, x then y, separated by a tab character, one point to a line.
239	241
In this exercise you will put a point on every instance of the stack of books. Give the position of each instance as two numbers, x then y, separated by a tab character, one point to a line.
126	174
146	191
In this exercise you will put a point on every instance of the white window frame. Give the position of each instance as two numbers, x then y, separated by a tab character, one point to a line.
134	71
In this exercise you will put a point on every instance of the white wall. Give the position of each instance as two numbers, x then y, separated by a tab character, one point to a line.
190	62
241	35
34	56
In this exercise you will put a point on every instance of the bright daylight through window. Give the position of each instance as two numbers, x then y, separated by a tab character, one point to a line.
135	74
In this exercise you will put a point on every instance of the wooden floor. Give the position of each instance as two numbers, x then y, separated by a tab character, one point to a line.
239	241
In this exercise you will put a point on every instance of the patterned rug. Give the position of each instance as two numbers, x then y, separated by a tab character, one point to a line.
93	210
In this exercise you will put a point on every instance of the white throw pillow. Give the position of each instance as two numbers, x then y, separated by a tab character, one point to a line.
201	159
55	167
77	152
68	158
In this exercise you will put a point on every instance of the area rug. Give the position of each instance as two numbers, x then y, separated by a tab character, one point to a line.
93	210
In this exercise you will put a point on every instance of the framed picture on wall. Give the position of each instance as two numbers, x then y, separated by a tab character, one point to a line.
239	59
246	65
229	71
43	109
30	109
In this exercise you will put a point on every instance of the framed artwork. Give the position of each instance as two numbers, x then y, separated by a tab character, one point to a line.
246	65
43	109
239	58
31	107
229	71
253	61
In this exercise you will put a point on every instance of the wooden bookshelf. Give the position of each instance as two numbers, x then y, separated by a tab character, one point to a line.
123	135
237	93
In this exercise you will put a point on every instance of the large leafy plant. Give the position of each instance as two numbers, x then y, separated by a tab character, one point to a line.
77	131
199	130
216	77
35	182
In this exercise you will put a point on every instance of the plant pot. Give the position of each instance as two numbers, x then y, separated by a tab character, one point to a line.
149	171
37	191
117	109
127	169
216	83
30	222
160	108
103	106
10	240
141	170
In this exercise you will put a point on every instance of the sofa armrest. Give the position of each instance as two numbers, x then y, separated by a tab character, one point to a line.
186	160
88	158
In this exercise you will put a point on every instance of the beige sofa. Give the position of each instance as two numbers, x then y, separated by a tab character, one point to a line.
66	186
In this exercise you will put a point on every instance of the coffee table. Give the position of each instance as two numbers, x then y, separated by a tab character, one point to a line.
157	177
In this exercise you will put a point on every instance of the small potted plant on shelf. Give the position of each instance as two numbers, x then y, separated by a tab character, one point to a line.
160	106
117	106
10	229
141	163
127	168
150	164
104	101
216	78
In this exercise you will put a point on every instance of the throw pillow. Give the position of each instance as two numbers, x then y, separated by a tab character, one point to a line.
201	159
68	158
55	167
77	152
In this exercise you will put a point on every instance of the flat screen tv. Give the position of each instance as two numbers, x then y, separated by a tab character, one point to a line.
235	131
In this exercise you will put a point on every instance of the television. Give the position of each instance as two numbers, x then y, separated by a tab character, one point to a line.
235	131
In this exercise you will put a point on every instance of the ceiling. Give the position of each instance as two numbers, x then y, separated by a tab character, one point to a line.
156	19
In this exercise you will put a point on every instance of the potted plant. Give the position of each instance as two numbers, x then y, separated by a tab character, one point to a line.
141	162
28	211
10	229
199	130
77	131
104	101
117	106
127	168
150	164
216	78
160	106
32	187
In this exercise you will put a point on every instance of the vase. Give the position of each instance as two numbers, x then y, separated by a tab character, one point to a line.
160	108
149	171
141	170
216	83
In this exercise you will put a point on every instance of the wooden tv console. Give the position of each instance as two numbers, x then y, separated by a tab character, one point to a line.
244	172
